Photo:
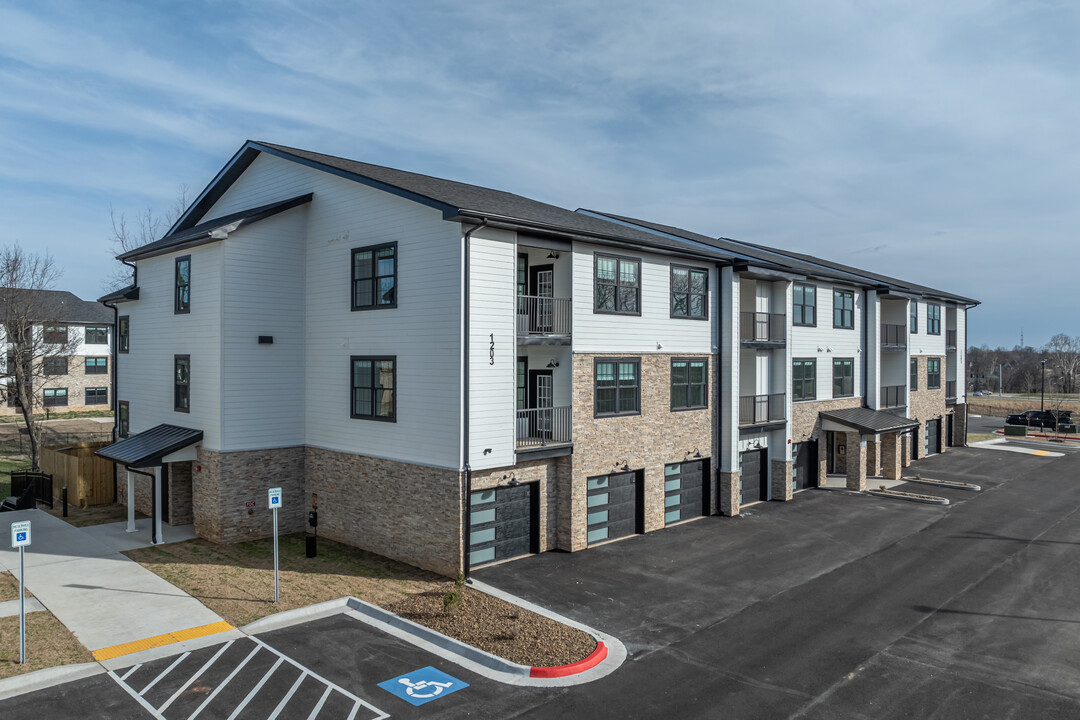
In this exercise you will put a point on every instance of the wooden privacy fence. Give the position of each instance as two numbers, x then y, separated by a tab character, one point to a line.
89	479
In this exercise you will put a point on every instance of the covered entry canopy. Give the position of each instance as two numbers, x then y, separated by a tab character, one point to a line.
865	421
150	447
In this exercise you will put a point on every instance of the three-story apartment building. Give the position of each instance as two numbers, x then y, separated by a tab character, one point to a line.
462	375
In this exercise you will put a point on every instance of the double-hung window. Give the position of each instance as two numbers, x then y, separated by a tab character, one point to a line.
123	418
55	397
97	365
618	386
914	373
97	396
843	377
913	324
182	297
374	277
617	285
689	289
123	339
55	335
55	365
374	383
689	383
97	335
804	305
933	319
843	312
803	379
182	383
933	373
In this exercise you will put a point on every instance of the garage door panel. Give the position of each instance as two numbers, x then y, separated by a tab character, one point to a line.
612	507
684	491
502	524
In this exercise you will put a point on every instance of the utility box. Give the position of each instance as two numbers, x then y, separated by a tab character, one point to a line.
1016	431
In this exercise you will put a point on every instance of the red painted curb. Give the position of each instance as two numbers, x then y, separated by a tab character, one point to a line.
592	660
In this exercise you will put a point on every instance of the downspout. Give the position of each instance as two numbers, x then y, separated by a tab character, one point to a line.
113	379
866	350
466	521
718	409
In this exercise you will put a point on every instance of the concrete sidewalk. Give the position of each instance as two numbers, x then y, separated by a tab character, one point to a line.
112	604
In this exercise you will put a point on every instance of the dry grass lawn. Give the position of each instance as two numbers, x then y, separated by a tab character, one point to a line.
48	643
9	587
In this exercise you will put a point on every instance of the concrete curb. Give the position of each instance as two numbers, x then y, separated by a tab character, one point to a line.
896	495
42	679
945	484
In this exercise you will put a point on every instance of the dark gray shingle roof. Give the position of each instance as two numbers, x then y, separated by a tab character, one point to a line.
60	306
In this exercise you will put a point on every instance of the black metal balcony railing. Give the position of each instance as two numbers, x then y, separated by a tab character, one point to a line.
759	327
950	389
539	427
950	339
893	396
758	409
543	315
893	337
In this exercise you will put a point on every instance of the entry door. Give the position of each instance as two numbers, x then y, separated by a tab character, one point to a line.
933	435
753	476
804	466
543	286
949	430
761	385
541	396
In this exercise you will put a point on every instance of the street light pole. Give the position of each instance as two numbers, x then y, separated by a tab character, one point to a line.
1042	393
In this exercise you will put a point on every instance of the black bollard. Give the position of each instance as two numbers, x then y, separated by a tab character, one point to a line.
63	498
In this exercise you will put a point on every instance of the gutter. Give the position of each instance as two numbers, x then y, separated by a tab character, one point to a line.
466	520
114	374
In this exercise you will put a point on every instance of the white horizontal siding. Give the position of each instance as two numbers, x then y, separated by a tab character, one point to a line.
833	342
923	343
602	332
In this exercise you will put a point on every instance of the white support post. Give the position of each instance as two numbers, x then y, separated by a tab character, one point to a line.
130	502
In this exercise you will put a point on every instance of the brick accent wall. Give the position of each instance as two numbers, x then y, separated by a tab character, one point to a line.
729	493
76	381
550	475
856	462
873	457
180	508
960	416
142	489
928	404
782	488
806	423
648	441
891	456
407	512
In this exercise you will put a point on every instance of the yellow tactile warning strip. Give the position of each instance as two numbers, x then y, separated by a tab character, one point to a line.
109	653
1040	452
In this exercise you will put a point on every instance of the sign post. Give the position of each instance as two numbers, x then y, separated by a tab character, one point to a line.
274	498
20	538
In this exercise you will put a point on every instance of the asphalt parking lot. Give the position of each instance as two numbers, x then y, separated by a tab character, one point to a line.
830	606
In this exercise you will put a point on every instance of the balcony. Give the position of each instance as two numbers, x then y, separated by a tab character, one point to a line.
893	337
758	329
543	320
950	391
761	409
543	427
893	396
950	339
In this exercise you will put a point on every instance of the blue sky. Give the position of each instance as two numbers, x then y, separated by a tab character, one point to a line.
936	142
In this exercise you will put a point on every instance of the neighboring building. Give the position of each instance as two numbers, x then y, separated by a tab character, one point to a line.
463	375
79	378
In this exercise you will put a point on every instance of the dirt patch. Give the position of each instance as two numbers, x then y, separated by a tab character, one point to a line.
237	582
497	627
48	643
9	587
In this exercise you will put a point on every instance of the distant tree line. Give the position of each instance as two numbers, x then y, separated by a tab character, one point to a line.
1021	368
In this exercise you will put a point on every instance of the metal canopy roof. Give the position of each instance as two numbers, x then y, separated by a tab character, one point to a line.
146	449
868	421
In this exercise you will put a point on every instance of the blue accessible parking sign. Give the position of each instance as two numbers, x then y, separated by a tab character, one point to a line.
423	685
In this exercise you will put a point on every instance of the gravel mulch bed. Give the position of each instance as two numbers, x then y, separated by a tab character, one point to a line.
497	627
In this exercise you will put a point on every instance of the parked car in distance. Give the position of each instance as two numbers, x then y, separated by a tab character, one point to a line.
1033	418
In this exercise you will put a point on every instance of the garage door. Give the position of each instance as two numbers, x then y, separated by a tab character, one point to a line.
804	465
685	491
504	522
753	476
612	506
933	434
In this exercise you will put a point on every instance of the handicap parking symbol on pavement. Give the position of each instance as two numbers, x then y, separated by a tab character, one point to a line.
423	685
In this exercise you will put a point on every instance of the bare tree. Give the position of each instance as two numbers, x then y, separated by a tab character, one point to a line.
36	338
1063	354
142	229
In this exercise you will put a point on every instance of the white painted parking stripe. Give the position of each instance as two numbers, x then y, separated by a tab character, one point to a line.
318	706
198	672
131	670
163	674
288	696
226	681
138	698
355	709
255	690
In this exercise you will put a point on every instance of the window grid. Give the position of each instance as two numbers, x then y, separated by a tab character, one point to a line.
933	373
933	319
913	323
97	396
182	383
689	291
804	379
374	277
123	333
123	418
617	386
689	384
914	373
54	397
843	309
182	300
617	285
96	366
804	305
97	336
55	365
55	335
373	383
843	377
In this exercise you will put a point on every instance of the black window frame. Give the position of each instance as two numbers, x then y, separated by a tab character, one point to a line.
123	333
913	373
102	392
49	365
98	369
933	319
123	418
45	395
913	318
932	374
12	393
182	300
374	277
850	325
181	388
619	260
681	392
373	359
54	334
803	305
841	362
801	382
636	362
96	329
689	294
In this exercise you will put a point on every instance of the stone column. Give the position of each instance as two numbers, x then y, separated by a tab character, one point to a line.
822	460
891	456
856	462
943	443
782	483
905	450
729	493
873	457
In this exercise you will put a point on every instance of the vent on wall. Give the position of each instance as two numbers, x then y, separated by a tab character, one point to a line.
266	339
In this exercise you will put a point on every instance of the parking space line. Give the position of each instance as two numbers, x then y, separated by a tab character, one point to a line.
288	696
226	681
163	674
255	690
198	672
131	671
318	706
138	698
